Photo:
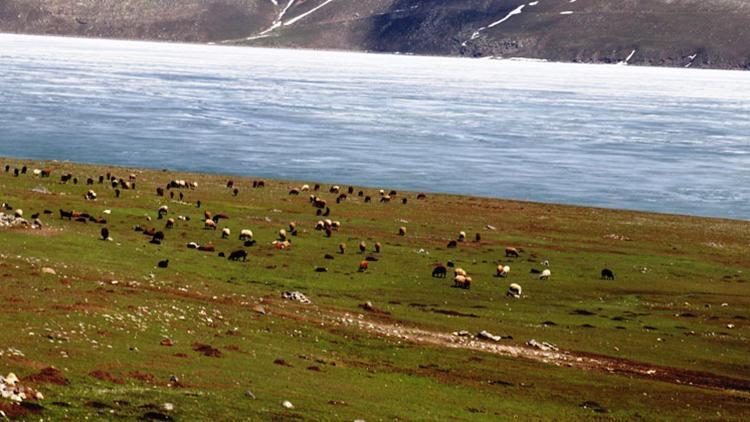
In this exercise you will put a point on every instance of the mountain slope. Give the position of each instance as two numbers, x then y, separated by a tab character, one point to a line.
697	33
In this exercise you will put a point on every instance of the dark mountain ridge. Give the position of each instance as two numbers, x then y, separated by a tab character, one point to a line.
685	33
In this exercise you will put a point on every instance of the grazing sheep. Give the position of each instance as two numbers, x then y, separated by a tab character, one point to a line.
320	225
19	213
385	199
293	228
163	264
207	247
209	225
461	282
225	233
608	274
361	193
117	193
327	212
351	190
157	238
283	235
294	192
421	196
503	271
378	246
405	201
335	225
439	271
362	246
305	188
220	216
328	256
321	269
320	203
462	236
246	234
89	182
402	231
162	211
368	199
235	192
170	223
317	187
342	248
238	255
90	195
282	245
230	184
515	291
105	233
364	266
452	244
66	214
511	253
545	263
193	245
545	275
459	271
334	189
46	173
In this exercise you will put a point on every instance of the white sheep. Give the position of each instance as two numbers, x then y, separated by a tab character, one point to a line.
305	188
461	236
503	271
515	290
459	271
90	195
545	275
193	245
19	213
246	234
282	235
225	233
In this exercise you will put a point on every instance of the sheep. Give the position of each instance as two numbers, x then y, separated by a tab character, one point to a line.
162	211
342	248
350	190
207	248
515	290
238	255
327	212
117	193
459	271
305	188
478	238
378	246
502	271
608	274
235	192
545	275
452	244
157	238
461	281
209	225
405	201
294	192
89	182
402	231
193	245
317	187
385	199
163	264
283	245
367	199
19	213
545	263
381	192
511	253
293	228
225	233
283	235
362	246
320	203
439	271
170	223
462	236
105	233
364	266
320	225
246	234
230	184
335	225
334	189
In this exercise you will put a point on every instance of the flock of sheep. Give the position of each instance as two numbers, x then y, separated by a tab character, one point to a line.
211	221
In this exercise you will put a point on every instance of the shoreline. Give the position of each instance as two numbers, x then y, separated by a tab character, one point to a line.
293	182
368	52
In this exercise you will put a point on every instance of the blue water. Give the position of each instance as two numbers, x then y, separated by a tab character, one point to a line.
668	140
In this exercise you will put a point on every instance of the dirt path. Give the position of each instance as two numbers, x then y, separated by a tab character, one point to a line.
581	360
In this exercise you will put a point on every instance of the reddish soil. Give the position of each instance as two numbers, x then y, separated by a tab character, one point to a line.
207	350
48	375
106	376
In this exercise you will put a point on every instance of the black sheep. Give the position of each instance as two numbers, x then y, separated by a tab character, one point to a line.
105	233
163	264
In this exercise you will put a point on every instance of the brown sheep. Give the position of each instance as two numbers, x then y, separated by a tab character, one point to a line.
364	266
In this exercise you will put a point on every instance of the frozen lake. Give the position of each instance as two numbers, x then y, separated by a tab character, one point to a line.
668	140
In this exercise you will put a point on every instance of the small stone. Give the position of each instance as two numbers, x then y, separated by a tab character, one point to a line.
168	407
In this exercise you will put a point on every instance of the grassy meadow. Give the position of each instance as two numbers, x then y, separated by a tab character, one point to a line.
105	334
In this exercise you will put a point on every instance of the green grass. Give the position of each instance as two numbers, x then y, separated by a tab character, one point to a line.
108	307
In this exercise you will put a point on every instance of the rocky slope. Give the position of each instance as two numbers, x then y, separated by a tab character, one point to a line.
695	33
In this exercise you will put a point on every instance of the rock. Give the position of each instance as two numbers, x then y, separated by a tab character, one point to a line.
168	407
462	333
297	297
486	335
47	270
287	404
541	346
